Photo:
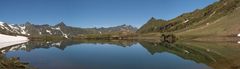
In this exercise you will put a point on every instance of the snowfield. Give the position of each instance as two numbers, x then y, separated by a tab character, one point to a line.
238	35
7	40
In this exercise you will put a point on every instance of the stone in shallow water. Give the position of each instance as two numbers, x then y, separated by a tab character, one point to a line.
238	35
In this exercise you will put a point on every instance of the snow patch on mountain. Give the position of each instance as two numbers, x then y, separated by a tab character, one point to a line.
186	21
7	40
14	28
40	33
49	32
23	30
58	28
8	29
238	35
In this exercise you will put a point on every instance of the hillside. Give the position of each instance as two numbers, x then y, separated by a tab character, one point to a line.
227	26
220	18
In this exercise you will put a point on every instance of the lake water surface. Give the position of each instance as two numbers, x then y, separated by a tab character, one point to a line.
97	54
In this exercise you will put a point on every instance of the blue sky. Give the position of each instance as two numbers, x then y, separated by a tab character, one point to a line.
95	13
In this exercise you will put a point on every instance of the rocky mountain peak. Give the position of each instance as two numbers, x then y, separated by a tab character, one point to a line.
28	23
61	24
153	19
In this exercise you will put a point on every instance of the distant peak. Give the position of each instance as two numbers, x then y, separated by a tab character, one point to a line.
124	25
61	24
152	18
28	23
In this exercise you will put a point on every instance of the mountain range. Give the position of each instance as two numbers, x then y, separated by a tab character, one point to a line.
60	29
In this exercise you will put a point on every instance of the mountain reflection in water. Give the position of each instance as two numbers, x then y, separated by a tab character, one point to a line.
119	54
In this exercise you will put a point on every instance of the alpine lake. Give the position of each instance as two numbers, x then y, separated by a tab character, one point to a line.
126	54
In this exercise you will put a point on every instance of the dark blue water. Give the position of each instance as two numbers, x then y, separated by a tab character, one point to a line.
101	56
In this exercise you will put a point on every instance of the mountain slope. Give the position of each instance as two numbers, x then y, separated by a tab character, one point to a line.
199	18
227	26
